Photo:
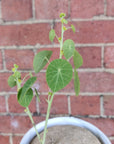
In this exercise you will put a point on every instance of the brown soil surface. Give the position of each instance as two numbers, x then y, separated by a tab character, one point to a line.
68	135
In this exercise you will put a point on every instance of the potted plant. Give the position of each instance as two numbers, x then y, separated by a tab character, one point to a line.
58	75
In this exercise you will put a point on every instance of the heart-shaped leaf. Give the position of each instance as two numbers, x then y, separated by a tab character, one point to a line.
78	60
26	98
52	35
76	83
40	60
11	81
68	48
25	94
58	74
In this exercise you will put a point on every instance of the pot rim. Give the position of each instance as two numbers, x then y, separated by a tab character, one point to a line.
58	121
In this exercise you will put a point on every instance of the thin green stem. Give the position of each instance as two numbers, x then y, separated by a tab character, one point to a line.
47	117
32	121
61	43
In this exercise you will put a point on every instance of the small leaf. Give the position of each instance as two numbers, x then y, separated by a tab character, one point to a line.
76	83
78	60
73	28
58	74
52	35
11	81
62	15
68	48
64	21
26	98
40	60
17	75
25	94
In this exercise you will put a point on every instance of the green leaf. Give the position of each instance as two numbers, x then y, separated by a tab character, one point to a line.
78	60
11	81
26	99
62	15
17	75
52	35
68	48
73	28
58	74
76	83
40	60
64	21
25	94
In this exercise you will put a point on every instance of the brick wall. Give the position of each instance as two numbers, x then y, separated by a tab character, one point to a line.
24	28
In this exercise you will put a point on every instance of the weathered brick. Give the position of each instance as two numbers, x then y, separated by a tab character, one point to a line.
109	57
23	58
112	141
59	105
4	85
16	139
1	63
2	104
4	139
16	124
93	82
104	124
85	105
90	32
110	8
108	105
25	34
15	107
89	82
91	57
86	9
16	10
50	9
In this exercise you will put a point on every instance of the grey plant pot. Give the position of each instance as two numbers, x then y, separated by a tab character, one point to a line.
65	121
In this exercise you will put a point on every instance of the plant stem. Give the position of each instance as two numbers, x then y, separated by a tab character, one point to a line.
32	121
47	117
61	43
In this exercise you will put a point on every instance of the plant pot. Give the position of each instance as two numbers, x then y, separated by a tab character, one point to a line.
63	121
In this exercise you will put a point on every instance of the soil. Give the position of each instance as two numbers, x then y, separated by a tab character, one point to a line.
68	135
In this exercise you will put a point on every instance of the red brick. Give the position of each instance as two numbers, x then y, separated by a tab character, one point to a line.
1	64
109	57
91	57
93	82
16	124
90	32
2	104
85	105
109	105
25	34
41	82
16	10
112	141
4	85
59	105
86	9
4	139
23	58
104	124
15	107
110	8
16	139
50	9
